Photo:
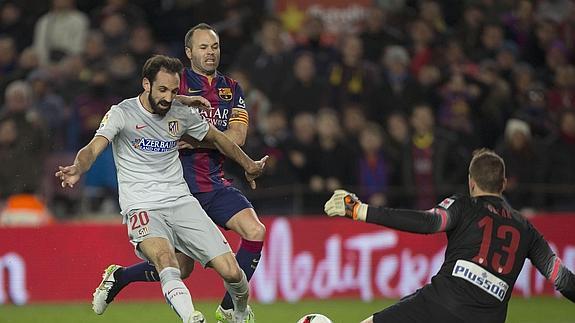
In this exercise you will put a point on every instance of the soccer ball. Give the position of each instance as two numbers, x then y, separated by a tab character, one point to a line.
314	318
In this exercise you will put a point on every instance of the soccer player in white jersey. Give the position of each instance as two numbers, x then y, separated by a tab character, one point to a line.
158	209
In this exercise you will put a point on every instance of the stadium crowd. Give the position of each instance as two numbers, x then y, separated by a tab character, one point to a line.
390	107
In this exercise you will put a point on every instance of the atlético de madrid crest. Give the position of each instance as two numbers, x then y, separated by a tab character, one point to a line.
225	93
173	128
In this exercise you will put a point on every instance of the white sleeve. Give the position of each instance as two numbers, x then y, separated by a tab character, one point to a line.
112	123
198	126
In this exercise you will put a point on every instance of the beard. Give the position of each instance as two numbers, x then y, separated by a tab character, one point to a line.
156	106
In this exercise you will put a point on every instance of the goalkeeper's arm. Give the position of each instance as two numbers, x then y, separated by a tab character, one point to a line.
343	203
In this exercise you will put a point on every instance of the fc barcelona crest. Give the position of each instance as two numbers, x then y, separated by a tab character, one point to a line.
225	93
173	128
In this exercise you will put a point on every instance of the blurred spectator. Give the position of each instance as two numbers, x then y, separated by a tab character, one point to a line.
273	142
421	37
22	142
492	39
141	44
116	33
398	131
374	167
562	94
27	61
266	61
353	79
132	13
8	56
555	58
533	110
303	90
469	29
71	79
354	119
430	12
539	41
300	148
256	101
314	39
50	107
124	79
559	161
399	90
95	52
14	24
233	20
506	59
60	32
327	175
428	80
523	162
377	34
519	22
88	109
458	95
495	106
433	163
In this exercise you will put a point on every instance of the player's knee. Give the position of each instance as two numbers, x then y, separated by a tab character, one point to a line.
255	232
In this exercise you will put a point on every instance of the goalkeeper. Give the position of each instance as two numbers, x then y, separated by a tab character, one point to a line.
488	242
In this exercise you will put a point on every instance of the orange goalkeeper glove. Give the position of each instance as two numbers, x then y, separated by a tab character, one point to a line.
344	203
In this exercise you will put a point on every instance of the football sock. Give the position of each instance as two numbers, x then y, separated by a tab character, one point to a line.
239	292
143	271
248	257
176	293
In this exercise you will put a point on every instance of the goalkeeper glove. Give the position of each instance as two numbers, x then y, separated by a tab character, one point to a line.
344	203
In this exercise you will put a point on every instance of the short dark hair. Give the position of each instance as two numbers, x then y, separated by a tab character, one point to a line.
190	33
157	63
488	170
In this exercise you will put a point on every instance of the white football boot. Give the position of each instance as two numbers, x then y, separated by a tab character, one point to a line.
99	303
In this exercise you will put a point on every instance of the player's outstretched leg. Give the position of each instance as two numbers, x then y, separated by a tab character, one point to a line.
252	231
115	278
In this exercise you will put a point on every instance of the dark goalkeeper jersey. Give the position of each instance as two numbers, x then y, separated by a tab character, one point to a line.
488	243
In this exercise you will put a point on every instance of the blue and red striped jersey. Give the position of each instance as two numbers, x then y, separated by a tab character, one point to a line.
203	168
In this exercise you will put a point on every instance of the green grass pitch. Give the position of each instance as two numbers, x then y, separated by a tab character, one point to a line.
534	310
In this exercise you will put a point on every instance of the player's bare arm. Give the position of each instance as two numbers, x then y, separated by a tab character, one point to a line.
253	169
69	175
344	203
195	101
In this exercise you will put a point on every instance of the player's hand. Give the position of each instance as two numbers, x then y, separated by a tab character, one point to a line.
69	175
195	101
182	144
344	203
255	171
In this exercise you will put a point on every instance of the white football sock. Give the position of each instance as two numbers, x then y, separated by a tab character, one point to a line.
240	293
176	293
